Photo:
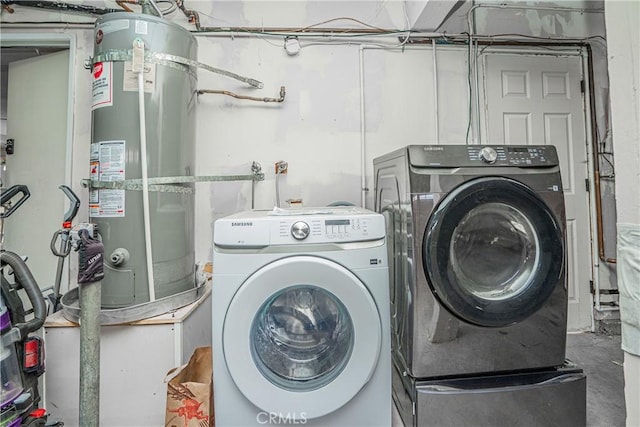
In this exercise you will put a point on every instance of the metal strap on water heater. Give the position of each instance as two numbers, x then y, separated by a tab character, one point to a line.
172	61
170	184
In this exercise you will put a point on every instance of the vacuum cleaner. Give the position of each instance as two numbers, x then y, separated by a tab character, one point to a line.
21	350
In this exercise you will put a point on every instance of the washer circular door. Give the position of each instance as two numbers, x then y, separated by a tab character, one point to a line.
493	252
301	336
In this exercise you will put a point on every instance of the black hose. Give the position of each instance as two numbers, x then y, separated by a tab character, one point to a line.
25	279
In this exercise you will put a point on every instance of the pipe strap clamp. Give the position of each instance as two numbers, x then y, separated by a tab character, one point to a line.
168	184
172	61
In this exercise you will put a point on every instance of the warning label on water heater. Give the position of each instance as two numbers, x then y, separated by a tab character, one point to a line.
102	88
107	164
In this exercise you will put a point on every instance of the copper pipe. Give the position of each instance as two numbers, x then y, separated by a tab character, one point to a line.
191	15
122	4
250	98
601	254
596	163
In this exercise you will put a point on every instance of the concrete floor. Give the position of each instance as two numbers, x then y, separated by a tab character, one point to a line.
600	356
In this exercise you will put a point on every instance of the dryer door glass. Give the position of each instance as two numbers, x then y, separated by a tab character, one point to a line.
302	338
493	252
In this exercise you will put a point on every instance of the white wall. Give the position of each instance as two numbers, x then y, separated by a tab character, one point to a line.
318	128
623	31
623	23
624	65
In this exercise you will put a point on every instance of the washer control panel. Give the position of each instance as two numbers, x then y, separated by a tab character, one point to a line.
334	229
306	226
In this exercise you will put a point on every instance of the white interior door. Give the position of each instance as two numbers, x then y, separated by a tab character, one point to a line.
37	121
537	100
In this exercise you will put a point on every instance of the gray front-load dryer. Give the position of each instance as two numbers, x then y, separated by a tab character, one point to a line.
476	241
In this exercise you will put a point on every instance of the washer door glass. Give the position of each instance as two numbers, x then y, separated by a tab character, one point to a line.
302	334
302	338
493	252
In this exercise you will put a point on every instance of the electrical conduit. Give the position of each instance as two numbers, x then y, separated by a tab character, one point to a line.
363	153
435	92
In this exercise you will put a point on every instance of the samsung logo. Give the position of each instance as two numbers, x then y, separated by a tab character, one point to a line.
433	148
242	224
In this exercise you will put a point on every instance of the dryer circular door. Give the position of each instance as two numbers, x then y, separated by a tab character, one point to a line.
301	336
493	252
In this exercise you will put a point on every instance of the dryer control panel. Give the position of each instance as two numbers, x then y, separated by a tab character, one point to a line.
483	155
510	155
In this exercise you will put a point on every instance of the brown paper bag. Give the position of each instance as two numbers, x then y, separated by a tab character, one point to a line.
190	392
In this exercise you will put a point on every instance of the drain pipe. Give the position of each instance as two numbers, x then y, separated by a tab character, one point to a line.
137	65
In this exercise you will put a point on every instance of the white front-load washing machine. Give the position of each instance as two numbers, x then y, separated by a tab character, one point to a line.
301	318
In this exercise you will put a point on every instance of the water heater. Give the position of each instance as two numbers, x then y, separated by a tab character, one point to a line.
141	266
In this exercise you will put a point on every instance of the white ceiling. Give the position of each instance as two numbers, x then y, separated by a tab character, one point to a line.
425	15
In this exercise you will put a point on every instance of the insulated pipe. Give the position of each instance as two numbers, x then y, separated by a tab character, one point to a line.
25	279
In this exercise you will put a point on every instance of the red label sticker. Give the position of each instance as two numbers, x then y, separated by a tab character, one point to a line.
97	69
